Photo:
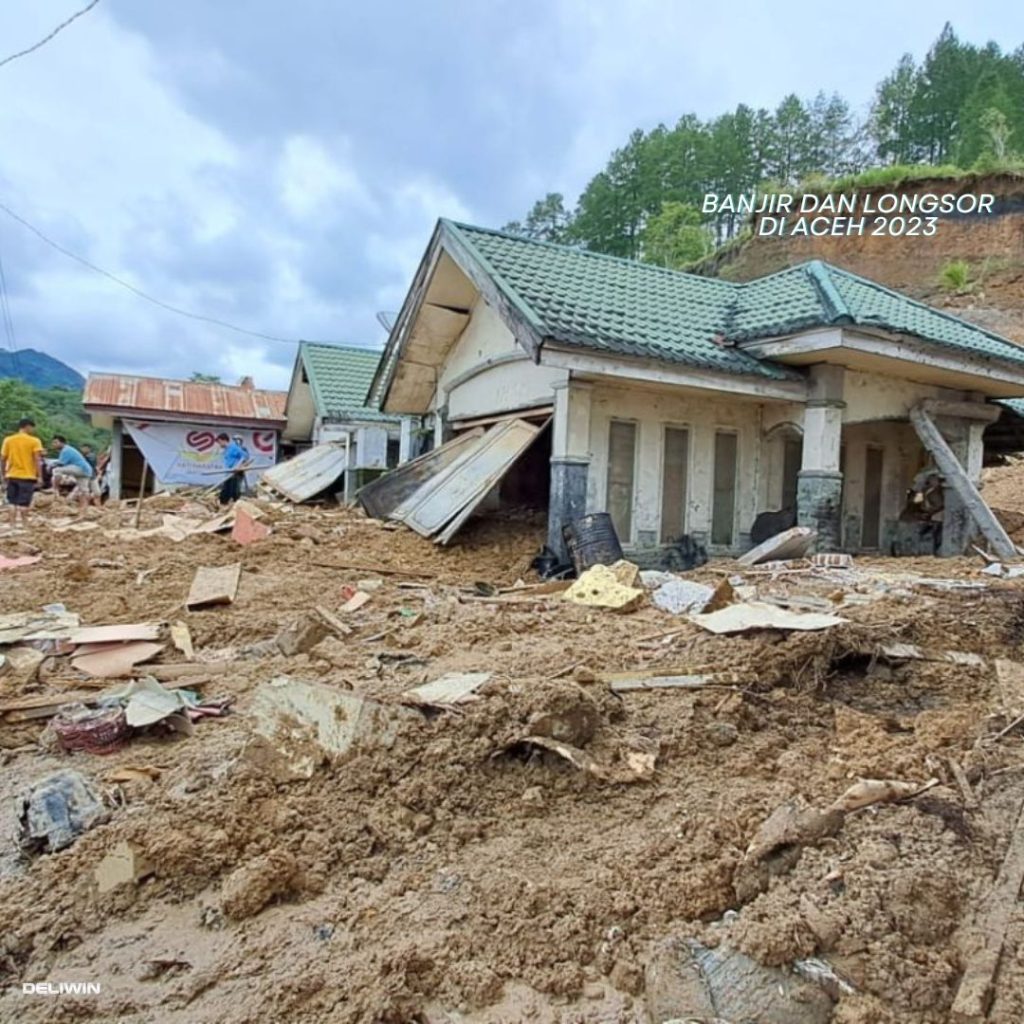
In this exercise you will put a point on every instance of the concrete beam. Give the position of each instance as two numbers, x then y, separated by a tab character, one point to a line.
659	372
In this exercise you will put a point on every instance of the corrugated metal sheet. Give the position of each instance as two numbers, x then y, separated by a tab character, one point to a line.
309	473
153	395
382	496
445	501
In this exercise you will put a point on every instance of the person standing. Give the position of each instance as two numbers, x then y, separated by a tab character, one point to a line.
74	467
236	461
21	459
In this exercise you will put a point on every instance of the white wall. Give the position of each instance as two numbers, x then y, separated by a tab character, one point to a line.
870	396
502	387
702	415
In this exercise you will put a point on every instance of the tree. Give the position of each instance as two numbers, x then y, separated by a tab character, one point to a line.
204	378
940	90
675	236
547	220
18	400
891	122
794	145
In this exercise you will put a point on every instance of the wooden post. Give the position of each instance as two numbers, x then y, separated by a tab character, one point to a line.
957	478
142	493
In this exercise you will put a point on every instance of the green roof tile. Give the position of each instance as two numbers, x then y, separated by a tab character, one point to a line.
340	378
576	297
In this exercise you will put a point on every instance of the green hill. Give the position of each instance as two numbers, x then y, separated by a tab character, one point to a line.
39	370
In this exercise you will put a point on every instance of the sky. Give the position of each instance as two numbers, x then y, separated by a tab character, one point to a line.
280	166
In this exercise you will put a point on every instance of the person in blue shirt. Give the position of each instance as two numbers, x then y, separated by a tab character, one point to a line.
236	461
73	467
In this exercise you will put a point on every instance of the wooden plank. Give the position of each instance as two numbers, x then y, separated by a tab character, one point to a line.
114	634
333	621
949	466
977	985
214	585
629	685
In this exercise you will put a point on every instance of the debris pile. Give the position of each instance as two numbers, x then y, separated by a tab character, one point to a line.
788	790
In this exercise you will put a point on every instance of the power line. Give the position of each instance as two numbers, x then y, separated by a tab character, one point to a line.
42	42
138	291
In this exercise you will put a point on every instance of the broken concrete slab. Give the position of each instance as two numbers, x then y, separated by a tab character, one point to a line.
20	665
792	543
299	726
738	618
37	625
214	585
124	865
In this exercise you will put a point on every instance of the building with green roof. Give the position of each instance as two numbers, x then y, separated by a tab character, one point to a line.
689	405
328	402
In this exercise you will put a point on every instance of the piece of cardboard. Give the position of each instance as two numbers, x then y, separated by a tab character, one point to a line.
214	585
738	618
115	662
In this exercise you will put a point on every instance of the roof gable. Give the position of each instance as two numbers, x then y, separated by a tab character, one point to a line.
340	377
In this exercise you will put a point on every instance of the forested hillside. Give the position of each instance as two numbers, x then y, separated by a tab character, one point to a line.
55	410
960	107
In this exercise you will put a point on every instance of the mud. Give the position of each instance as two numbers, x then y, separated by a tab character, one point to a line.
457	877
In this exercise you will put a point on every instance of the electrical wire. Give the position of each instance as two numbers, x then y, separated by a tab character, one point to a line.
42	42
138	291
5	315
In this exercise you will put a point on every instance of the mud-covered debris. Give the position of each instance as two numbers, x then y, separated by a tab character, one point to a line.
125	864
56	811
686	981
741	618
451	689
249	888
298	726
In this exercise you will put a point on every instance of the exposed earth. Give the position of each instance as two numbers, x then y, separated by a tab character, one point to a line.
456	876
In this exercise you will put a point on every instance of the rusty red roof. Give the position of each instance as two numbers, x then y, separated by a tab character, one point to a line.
156	397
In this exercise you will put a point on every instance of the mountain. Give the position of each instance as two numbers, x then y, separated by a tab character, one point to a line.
39	370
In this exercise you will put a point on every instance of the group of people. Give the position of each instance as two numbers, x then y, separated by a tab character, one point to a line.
25	470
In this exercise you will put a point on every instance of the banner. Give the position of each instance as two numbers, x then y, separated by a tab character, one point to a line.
188	453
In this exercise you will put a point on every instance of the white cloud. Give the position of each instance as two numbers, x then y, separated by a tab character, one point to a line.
315	181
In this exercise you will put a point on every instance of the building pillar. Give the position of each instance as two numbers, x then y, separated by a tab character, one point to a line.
964	437
115	470
819	497
404	439
570	460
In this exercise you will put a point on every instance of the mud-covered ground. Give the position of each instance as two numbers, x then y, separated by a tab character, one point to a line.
453	878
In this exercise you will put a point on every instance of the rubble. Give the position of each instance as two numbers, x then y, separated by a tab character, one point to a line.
497	803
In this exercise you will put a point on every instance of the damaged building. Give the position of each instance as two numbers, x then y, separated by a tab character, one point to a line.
685	405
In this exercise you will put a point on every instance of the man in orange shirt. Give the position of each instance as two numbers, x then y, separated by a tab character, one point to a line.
21	459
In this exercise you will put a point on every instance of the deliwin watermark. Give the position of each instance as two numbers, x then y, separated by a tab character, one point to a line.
61	988
846	214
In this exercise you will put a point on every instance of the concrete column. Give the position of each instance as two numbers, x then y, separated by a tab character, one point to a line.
404	439
570	460
819	497
964	438
116	468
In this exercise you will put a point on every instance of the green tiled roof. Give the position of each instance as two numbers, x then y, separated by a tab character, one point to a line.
576	297
339	377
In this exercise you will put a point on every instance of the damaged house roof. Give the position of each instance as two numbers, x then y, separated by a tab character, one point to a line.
571	296
339	377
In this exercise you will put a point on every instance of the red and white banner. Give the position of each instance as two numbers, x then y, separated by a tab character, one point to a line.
188	453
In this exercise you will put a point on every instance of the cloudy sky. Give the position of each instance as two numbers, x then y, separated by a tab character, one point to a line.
281	165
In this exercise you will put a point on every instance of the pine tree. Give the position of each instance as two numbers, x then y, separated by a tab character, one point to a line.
891	122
